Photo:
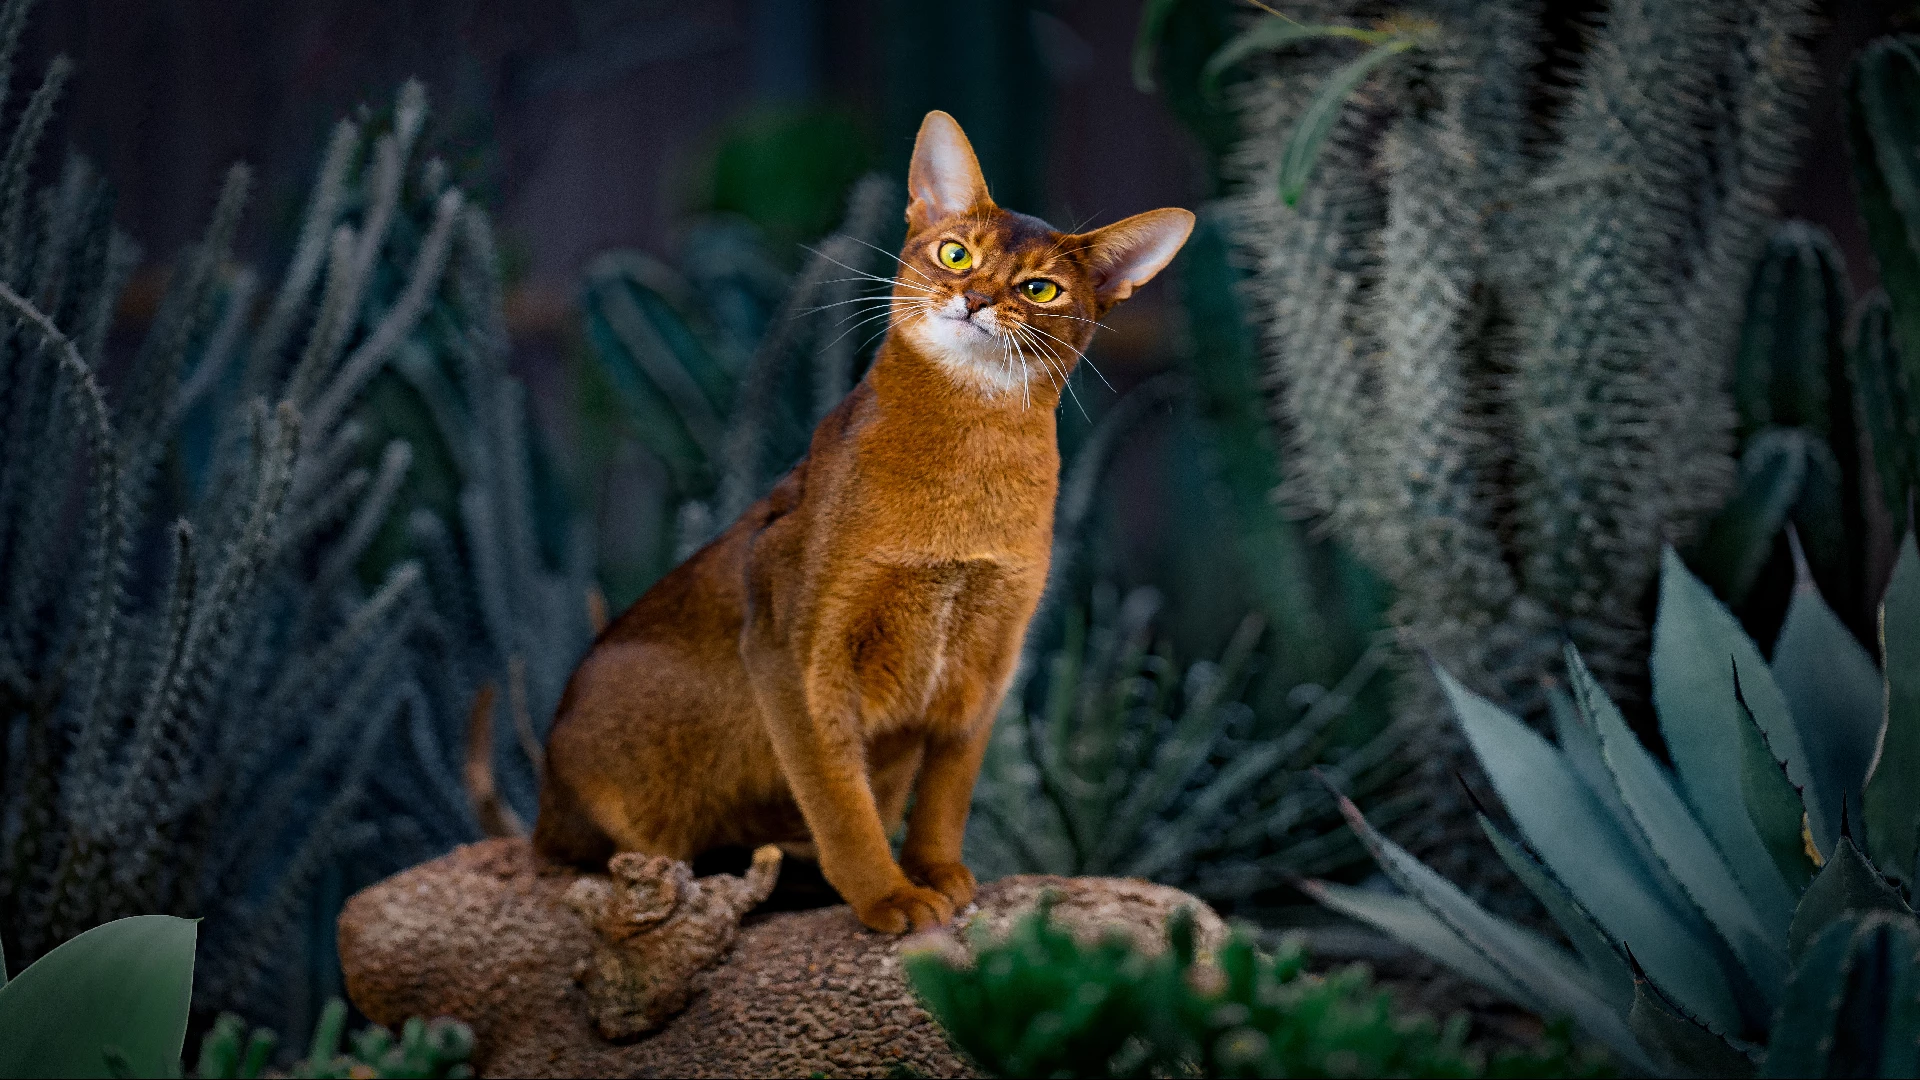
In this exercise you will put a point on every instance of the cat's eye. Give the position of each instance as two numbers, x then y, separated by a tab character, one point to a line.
1040	290
955	256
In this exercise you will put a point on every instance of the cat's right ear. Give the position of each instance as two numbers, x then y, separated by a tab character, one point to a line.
945	176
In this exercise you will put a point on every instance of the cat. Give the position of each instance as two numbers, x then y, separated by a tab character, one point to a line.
847	641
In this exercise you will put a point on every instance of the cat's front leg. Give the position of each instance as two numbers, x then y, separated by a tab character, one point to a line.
937	828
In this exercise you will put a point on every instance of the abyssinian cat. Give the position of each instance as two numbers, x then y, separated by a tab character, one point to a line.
847	641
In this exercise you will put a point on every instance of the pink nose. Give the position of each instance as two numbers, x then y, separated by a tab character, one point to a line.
975	301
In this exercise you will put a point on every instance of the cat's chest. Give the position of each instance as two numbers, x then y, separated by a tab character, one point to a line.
927	639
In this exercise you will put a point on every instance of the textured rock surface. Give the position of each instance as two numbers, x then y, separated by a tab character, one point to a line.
484	935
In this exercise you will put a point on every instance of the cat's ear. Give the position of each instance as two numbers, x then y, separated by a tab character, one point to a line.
945	176
1126	254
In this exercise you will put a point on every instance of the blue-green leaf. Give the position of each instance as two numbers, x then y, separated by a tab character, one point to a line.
1687	1045
1834	693
1846	885
1408	921
1317	122
1611	976
1551	980
1570	831
1802	1027
1892	809
1697	648
124	985
1677	838
1774	807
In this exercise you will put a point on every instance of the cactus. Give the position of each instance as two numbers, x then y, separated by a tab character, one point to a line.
1712	908
1040	1003
1500	353
1793	373
205	708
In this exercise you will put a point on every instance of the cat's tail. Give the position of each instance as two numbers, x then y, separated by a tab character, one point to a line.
495	816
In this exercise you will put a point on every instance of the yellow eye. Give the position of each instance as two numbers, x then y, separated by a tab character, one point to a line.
1040	290
955	256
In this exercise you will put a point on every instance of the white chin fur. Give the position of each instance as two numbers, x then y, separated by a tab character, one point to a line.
972	355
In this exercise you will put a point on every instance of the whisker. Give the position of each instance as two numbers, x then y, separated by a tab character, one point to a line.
904	264
1080	355
860	272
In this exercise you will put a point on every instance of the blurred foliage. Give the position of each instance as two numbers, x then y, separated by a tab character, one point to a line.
425	1049
1040	1003
114	997
788	171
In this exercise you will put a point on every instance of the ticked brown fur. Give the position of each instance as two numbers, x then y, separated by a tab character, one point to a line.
847	641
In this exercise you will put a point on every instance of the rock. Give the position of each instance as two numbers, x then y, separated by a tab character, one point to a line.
658	928
540	961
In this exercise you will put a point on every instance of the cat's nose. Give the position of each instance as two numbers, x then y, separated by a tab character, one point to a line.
975	301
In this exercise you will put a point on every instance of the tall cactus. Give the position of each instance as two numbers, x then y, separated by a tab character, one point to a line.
1799	430
1501	352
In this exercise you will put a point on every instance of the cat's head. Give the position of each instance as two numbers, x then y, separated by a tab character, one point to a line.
1000	300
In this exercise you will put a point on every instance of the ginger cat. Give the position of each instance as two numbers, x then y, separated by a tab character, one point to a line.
848	640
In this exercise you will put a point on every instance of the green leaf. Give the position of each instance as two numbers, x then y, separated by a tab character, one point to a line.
1269	35
1688	1045
125	985
1697	648
1740	539
1551	979
1595	861
1773	806
1609	970
1891	805
1677	838
1146	41
1834	693
1853	1005
1846	885
1317	122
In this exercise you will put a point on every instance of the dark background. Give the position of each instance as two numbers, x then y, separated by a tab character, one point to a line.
588	125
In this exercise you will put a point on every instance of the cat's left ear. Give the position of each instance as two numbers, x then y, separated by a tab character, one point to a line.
944	178
1126	254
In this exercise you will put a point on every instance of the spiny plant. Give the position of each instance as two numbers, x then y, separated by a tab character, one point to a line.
1499	348
1799	429
1748	907
1109	758
721	367
425	1049
204	709
1038	1002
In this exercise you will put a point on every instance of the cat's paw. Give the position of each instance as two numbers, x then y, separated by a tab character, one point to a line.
905	908
951	879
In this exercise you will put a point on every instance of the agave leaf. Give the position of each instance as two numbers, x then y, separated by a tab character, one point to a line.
1410	922
1740	539
1846	885
1594	860
1268	35
1297	158
1900	1054
123	985
1834	693
1688	1046
1682	845
1894	778
1551	980
1580	745
1609	970
1698	647
1773	806
1802	1028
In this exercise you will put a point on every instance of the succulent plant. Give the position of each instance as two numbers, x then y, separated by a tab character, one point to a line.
1700	900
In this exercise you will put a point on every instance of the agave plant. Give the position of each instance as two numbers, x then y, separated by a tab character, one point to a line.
1737	909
